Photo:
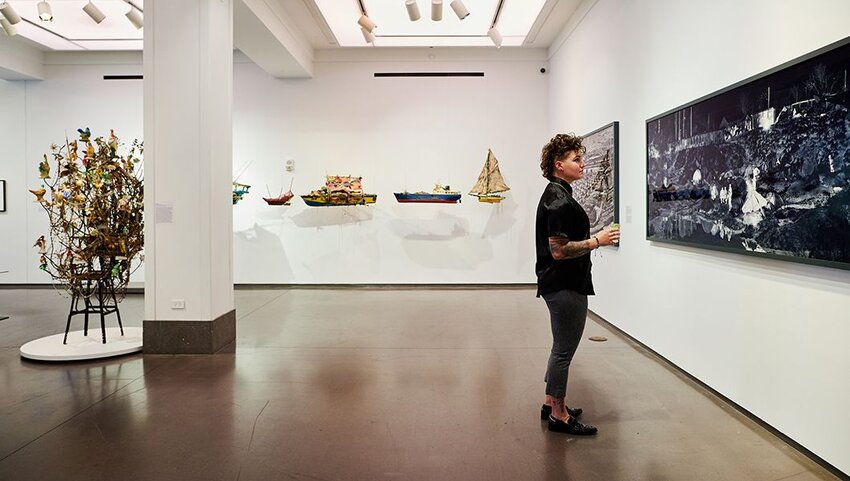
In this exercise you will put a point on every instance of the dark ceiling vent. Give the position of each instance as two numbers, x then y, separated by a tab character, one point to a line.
429	74
123	77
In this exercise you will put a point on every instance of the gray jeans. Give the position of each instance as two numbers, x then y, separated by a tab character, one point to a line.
568	314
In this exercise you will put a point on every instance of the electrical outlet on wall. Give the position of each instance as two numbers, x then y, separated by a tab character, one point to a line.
178	303
628	215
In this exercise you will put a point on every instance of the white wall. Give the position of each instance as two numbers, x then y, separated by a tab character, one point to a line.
36	114
398	133
13	241
20	60
768	334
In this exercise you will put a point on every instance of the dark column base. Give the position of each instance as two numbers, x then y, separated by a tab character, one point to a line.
189	337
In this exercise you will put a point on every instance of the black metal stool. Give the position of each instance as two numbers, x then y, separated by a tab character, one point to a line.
99	285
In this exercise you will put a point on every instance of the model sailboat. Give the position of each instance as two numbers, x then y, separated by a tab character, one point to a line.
490	182
282	198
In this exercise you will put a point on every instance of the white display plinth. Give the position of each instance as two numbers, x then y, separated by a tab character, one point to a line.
81	347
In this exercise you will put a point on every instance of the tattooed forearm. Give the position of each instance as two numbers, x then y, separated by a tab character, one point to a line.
563	248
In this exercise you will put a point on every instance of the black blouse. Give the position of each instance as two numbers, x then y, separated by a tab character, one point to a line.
558	214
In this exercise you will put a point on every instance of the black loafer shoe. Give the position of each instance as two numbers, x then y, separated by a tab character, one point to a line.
571	426
546	410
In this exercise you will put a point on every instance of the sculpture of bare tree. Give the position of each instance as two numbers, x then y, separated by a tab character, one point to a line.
93	197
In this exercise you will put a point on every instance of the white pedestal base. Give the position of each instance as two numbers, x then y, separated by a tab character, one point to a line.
81	347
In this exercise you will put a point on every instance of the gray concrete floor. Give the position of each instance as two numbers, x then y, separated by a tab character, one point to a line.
366	385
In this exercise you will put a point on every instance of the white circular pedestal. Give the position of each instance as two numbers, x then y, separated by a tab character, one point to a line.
81	347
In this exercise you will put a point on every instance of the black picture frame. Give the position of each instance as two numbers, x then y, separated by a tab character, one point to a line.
761	167
598	191
2	195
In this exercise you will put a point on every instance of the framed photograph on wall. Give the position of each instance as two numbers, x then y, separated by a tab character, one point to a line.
761	167
2	195
597	190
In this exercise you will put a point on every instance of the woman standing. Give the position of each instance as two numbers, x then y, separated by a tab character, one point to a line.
563	272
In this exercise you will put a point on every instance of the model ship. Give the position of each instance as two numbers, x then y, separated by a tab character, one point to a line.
339	190
239	191
282	198
442	194
490	182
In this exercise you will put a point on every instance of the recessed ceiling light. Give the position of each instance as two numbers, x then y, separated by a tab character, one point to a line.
495	36
436	10
44	12
366	23
135	17
93	12
412	10
367	35
460	9
8	27
10	13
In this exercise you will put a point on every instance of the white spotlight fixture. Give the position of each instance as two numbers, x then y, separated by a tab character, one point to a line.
367	35
10	13
460	9
436	10
135	17
495	36
366	23
8	27
94	12
412	10
44	12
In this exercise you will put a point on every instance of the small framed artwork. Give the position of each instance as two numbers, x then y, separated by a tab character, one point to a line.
597	192
2	196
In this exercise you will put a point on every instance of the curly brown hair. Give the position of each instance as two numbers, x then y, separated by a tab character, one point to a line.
559	146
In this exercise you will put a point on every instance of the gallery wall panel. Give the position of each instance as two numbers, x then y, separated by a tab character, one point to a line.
761	167
399	134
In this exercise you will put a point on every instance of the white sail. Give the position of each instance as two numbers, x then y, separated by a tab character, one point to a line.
490	180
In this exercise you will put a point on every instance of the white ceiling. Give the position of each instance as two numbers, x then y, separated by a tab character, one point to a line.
322	23
72	29
514	19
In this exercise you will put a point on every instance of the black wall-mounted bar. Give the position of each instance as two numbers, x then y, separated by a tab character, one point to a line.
429	74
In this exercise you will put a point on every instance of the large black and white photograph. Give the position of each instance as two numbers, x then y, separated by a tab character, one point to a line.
597	190
761	167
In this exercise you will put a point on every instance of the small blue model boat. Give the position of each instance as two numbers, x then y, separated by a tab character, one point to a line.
442	194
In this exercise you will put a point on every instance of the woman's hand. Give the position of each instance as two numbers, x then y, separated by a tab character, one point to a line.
608	236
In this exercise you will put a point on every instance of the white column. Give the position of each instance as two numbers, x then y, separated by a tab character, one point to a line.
188	61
